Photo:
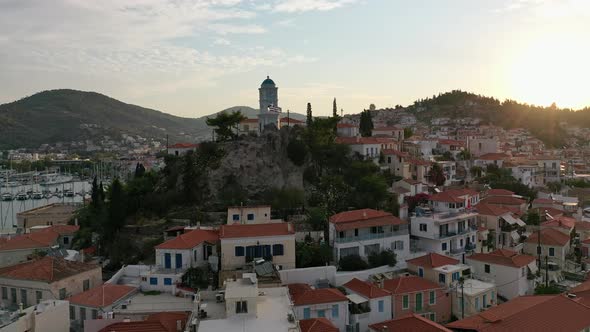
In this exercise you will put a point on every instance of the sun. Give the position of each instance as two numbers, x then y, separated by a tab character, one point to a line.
551	69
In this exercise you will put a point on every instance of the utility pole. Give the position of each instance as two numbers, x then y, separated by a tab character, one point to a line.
546	272
461	281
539	242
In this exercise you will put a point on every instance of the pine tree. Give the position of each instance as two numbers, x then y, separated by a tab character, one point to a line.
95	194
309	115
334	109
366	124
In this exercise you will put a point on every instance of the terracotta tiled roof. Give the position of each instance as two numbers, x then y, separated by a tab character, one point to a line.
451	142
409	284
47	269
419	162
491	210
191	239
409	323
363	140
102	296
183	146
582	226
160	322
255	230
346	125
42	238
503	200
561	222
317	325
493	156
530	313
446	197
503	257
364	218
433	260
500	192
303	294
249	121
365	288
555	213
549	236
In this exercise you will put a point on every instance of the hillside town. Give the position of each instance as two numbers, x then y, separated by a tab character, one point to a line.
489	231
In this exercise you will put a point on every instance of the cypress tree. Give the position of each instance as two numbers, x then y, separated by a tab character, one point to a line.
309	115
334	109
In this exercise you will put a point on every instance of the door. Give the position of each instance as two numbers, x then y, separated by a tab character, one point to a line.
167	261
178	261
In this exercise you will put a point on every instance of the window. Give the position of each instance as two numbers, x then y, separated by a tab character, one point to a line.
456	276
492	296
418	301
94	314
153	281
306	313
250	216
349	251
167	281
178	261
72	313
278	250
66	240
551	252
62	293
241	307
335	312
23	297
432	298
523	272
433	316
38	296
82	313
442	278
399	245
13	295
371	249
461	243
381	304
486	268
405	302
423	228
341	235
356	232
321	313
477	303
420	272
485	300
4	293
444	246
85	285
239	251
236	217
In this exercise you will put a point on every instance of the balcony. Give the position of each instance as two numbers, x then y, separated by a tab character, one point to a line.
459	232
370	236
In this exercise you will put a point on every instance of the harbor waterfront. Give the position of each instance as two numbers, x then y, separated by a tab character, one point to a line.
22	198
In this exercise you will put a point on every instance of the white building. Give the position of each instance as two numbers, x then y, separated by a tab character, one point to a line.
46	316
256	214
507	269
365	295
473	297
448	226
192	249
482	145
327	303
367	231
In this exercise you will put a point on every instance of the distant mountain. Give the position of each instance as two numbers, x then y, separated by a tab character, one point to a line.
70	115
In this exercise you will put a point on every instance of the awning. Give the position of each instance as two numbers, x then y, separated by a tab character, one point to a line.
514	235
511	220
356	299
533	267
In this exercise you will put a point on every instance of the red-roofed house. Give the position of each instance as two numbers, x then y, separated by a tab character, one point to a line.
242	243
507	269
366	296
180	149
96	302
317	325
190	249
327	303
21	247
290	122
554	244
530	313
160	322
438	268
506	201
47	278
564	224
491	159
408	323
366	231
347	130
412	294
393	131
502	223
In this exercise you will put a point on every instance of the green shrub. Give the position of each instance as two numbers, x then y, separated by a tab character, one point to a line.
352	263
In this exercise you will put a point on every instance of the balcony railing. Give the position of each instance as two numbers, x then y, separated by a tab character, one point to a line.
459	232
370	236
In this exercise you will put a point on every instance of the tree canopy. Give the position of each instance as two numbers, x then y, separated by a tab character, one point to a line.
226	125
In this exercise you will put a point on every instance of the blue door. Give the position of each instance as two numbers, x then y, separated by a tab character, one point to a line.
167	261
178	261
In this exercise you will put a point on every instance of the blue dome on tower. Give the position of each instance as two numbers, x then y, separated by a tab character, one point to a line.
268	83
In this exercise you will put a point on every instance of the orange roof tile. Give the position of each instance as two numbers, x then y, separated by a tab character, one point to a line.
503	200
102	296
409	323
363	140
500	192
47	269
433	260
365	288
160	322
346	125
364	218
191	239
249	121
254	230
491	210
303	294
582	226
493	156
550	210
409	284
549	236
561	222
317	325
503	257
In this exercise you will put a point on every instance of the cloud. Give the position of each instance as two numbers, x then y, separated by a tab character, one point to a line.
548	9
221	41
293	6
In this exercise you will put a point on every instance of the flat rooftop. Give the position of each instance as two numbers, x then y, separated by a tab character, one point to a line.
273	308
452	268
140	303
473	286
242	288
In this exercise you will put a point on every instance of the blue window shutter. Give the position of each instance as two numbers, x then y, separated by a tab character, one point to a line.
306	313
239	251
335	312
167	281
153	281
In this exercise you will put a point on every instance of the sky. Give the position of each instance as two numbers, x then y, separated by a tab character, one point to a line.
194	57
